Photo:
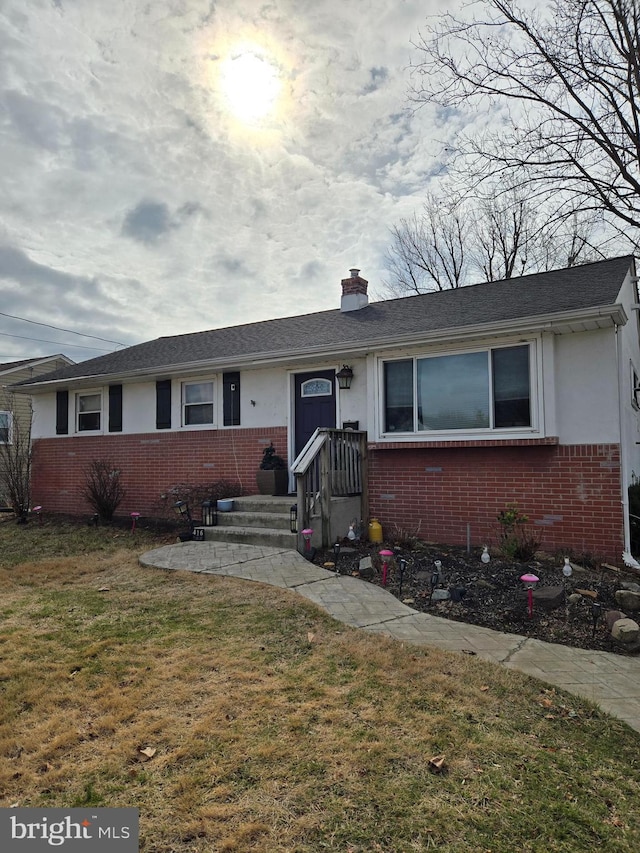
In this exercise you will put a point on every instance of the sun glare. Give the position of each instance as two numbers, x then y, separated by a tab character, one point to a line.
251	85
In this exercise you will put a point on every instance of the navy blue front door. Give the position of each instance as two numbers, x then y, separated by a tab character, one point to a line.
315	405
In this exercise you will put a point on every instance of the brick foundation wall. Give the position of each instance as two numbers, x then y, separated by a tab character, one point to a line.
570	493
149	464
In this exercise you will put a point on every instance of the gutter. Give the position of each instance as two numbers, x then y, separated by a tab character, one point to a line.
624	494
615	314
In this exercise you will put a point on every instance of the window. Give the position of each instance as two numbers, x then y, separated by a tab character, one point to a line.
635	388
88	411
316	388
197	398
488	389
5	427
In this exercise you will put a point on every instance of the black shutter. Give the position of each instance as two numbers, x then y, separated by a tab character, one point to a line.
62	413
115	408
163	404
231	399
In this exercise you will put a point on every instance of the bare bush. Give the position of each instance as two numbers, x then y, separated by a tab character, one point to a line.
103	489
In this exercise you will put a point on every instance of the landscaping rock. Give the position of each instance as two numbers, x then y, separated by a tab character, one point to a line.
632	586
628	600
626	631
613	616
548	597
440	595
366	568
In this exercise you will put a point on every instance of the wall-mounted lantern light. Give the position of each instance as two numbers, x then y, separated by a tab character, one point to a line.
344	377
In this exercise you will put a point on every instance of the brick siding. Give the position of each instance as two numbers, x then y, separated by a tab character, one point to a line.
570	493
149	464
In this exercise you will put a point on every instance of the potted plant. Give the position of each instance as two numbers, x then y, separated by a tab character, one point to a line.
273	476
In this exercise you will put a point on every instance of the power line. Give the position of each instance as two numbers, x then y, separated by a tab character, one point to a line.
60	329
59	343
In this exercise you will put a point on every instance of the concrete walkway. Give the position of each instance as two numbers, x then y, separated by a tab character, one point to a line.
610	680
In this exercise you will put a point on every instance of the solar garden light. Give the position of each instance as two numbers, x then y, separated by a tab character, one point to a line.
134	517
209	513
566	569
182	509
596	613
402	567
386	556
38	512
336	555
293	518
529	582
307	533
438	565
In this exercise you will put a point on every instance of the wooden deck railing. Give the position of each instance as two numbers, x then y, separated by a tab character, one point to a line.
332	464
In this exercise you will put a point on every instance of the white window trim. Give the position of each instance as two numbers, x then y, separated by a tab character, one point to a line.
88	392
489	434
214	403
9	414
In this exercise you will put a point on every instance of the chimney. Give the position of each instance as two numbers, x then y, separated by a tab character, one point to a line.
354	292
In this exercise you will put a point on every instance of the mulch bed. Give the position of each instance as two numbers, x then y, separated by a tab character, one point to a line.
494	596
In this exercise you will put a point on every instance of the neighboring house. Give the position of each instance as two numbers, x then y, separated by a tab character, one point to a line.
15	409
523	390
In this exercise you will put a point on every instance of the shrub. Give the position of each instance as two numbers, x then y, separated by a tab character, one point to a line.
517	541
103	489
270	459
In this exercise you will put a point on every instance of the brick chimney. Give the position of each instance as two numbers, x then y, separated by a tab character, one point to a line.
354	292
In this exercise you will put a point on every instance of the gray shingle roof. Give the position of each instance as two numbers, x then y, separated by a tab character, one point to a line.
574	289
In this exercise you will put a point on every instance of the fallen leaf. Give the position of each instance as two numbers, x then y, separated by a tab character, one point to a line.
484	688
311	636
149	751
104	589
436	764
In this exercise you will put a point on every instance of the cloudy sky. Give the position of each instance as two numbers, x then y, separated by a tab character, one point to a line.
169	166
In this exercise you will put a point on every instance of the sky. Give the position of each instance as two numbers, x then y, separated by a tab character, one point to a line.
170	166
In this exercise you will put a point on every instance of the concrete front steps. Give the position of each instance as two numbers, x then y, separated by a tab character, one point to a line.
255	520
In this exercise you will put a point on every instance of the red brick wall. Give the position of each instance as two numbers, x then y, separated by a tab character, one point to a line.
570	493
149	464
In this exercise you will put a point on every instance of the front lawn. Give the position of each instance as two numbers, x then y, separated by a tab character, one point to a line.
238	717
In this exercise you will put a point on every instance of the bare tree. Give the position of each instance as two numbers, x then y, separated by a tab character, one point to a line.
494	237
570	79
427	252
15	466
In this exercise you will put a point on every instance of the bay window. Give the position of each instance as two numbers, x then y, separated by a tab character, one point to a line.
480	390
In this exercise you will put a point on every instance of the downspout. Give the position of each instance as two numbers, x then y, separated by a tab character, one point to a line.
624	494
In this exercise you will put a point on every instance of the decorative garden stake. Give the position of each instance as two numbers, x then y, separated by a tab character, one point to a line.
386	556
438	565
485	556
402	567
566	569
596	613
307	533
134	517
529	582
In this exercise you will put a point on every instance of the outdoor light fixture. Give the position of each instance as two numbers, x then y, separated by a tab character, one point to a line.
336	552
209	513
596	613
386	556
182	508
529	582
344	377
567	569
134	517
38	512
307	533
402	567
293	518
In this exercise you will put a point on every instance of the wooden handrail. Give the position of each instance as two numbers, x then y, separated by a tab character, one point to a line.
331	464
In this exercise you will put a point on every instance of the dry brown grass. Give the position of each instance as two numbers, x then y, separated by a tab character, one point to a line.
277	729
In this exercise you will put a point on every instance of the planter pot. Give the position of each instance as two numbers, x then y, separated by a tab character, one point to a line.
275	482
225	505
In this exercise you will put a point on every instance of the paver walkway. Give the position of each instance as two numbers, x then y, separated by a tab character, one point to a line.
610	680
